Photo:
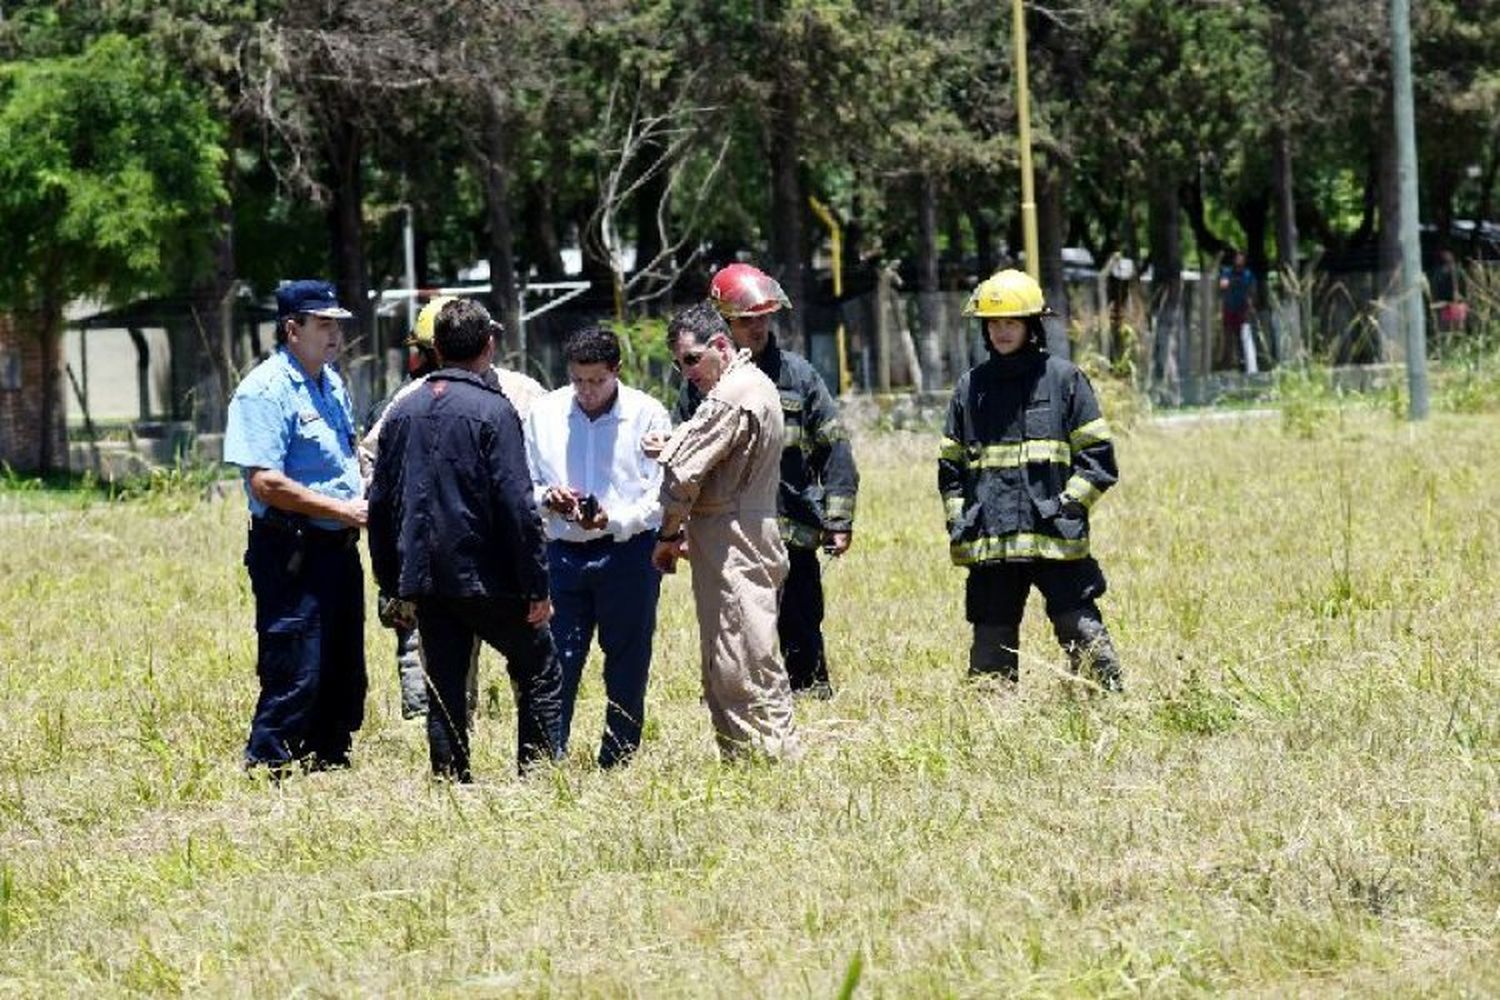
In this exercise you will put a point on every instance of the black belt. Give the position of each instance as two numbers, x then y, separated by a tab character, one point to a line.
304	530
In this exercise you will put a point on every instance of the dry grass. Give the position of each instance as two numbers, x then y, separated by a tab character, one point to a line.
1298	794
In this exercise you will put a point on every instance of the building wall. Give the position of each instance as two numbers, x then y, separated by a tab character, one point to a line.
21	372
105	363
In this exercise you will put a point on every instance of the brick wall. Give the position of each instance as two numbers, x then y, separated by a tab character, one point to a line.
21	367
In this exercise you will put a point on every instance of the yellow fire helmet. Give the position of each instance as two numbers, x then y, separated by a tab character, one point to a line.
422	335
1006	293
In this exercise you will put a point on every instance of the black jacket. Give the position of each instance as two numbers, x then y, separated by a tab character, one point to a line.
451	508
1025	455
819	481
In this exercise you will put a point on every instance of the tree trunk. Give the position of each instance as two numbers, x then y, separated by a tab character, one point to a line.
1166	284
984	240
1286	204
952	258
787	201
1209	242
345	147
49	331
647	234
1251	214
213	321
1051	191
543	248
929	302
495	161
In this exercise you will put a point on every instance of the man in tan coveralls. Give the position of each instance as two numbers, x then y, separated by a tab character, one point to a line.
722	469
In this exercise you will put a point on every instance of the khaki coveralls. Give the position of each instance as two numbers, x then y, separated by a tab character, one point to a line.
722	469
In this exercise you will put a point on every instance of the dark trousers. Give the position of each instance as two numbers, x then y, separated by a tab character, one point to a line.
449	627
799	621
613	587
995	593
310	630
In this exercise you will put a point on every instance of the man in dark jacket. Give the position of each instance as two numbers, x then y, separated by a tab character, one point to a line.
819	481
1025	455
454	531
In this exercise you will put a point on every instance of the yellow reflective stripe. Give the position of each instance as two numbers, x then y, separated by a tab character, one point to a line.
1093	432
951	451
1083	491
1021	546
953	507
839	508
1018	453
793	436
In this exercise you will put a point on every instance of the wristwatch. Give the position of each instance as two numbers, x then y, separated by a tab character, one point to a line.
674	537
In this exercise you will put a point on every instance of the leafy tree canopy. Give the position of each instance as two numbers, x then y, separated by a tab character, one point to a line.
109	175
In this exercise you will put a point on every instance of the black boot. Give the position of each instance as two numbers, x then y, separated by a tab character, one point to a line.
1083	636
996	652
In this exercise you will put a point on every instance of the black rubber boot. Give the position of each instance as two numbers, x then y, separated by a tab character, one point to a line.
996	652
1085	639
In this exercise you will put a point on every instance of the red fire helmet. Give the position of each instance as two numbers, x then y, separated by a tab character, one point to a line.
743	290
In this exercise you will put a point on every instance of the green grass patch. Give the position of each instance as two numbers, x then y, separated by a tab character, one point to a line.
1299	792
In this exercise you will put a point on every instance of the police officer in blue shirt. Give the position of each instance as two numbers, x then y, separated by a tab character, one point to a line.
291	432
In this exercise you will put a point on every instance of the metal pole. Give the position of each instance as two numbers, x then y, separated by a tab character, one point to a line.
1411	247
409	246
1023	115
836	243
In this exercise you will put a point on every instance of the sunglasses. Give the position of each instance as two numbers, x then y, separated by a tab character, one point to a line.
689	359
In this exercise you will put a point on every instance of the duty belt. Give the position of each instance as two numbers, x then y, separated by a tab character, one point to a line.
299	527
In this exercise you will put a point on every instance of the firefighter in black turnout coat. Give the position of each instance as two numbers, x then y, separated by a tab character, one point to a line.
1025	456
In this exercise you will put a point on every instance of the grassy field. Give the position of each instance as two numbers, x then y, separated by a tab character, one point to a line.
1299	793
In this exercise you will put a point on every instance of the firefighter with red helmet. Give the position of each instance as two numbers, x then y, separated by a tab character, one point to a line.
819	481
1025	455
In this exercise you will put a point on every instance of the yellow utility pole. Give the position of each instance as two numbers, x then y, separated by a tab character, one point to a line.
1023	114
836	240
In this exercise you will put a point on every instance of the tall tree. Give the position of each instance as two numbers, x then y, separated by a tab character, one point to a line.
109	182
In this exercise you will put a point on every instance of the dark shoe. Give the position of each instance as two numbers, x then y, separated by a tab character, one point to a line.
447	772
1083	635
275	771
314	763
819	690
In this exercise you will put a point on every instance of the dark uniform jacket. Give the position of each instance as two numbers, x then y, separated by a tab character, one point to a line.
451	509
819	481
1025	455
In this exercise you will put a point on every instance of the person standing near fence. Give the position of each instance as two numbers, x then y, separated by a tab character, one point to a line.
819	480
1236	306
290	429
1448	299
598	491
455	533
1025	455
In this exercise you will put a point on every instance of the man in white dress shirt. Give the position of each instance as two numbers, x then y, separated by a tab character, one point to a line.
598	493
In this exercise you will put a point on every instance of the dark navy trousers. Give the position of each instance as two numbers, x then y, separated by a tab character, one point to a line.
799	621
449	628
310	629
612	587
